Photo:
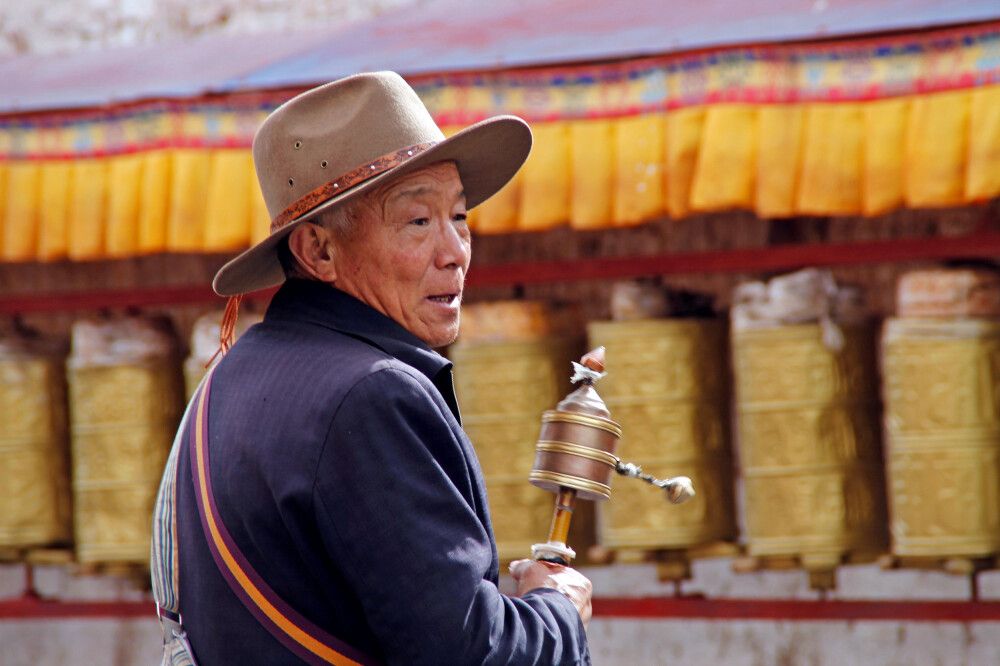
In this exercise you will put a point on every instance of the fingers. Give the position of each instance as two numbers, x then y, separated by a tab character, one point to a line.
518	567
531	574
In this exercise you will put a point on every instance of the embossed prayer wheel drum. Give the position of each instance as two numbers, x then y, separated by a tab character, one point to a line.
576	447
669	392
125	401
942	422
808	433
34	456
502	387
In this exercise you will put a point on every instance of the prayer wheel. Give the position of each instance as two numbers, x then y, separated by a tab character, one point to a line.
502	387
807	415
34	495
575	458
125	403
668	390
942	422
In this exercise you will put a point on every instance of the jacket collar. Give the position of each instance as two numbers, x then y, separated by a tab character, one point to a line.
319	303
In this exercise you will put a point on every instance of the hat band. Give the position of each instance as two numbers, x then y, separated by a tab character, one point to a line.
327	191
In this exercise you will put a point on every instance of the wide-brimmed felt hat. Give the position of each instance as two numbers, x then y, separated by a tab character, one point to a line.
330	144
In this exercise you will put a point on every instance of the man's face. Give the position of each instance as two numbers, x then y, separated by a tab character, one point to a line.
408	252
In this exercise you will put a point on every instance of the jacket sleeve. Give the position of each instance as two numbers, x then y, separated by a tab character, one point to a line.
399	527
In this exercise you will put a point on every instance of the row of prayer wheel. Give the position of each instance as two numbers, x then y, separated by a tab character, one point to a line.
84	437
776	418
797	374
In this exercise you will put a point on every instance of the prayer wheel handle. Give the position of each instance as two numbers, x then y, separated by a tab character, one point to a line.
575	456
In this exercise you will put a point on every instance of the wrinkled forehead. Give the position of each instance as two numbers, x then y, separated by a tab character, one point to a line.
440	179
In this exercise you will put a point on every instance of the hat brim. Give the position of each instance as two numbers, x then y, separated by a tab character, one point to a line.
487	155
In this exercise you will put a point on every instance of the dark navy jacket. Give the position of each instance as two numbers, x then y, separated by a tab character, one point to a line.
342	473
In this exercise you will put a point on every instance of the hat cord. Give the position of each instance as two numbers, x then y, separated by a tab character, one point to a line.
227	329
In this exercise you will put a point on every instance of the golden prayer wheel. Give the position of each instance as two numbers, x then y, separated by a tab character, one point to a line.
502	387
125	403
669	392
575	457
942	422
809	443
34	495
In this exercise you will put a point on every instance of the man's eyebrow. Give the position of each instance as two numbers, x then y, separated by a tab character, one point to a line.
413	191
419	190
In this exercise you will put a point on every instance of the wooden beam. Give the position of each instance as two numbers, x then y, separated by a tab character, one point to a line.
646	608
981	245
750	260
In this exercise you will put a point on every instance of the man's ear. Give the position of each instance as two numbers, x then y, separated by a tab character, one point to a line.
312	246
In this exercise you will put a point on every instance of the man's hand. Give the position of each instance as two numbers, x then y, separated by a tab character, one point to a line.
532	574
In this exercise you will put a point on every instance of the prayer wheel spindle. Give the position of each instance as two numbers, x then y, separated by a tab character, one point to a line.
575	457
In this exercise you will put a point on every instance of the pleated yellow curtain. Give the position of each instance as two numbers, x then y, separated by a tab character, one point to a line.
982	180
592	155
830	178
88	201
229	209
20	230
936	149
125	188
546	179
779	140
883	152
779	160
498	214
638	173
154	195
191	170
683	141
54	210
724	175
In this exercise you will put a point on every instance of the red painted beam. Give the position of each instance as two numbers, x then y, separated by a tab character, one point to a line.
642	608
748	260
69	301
795	610
33	608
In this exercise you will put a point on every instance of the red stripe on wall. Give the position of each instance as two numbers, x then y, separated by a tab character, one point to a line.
795	610
642	608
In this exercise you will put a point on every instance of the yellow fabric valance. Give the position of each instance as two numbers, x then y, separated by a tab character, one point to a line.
815	130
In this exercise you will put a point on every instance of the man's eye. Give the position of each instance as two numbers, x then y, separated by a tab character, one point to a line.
461	217
420	221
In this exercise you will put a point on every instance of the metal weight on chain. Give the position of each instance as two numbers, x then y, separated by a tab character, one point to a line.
575	458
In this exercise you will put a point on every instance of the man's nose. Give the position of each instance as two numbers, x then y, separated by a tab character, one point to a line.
453	248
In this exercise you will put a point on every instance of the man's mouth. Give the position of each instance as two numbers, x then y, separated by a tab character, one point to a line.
446	299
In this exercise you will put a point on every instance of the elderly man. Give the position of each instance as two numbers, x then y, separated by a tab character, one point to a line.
329	507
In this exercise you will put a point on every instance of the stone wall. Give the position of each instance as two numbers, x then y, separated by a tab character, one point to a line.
39	26
613	642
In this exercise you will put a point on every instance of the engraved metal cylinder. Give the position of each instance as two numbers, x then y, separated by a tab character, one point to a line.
34	457
942	423
809	442
669	392
502	387
123	420
576	450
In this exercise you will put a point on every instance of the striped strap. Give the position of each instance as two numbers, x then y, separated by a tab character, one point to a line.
291	629
163	566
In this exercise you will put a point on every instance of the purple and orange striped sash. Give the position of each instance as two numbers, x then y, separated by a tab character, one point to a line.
292	630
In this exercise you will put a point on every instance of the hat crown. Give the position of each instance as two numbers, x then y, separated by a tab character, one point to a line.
329	131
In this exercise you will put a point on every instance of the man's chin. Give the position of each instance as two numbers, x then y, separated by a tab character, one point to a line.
442	336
